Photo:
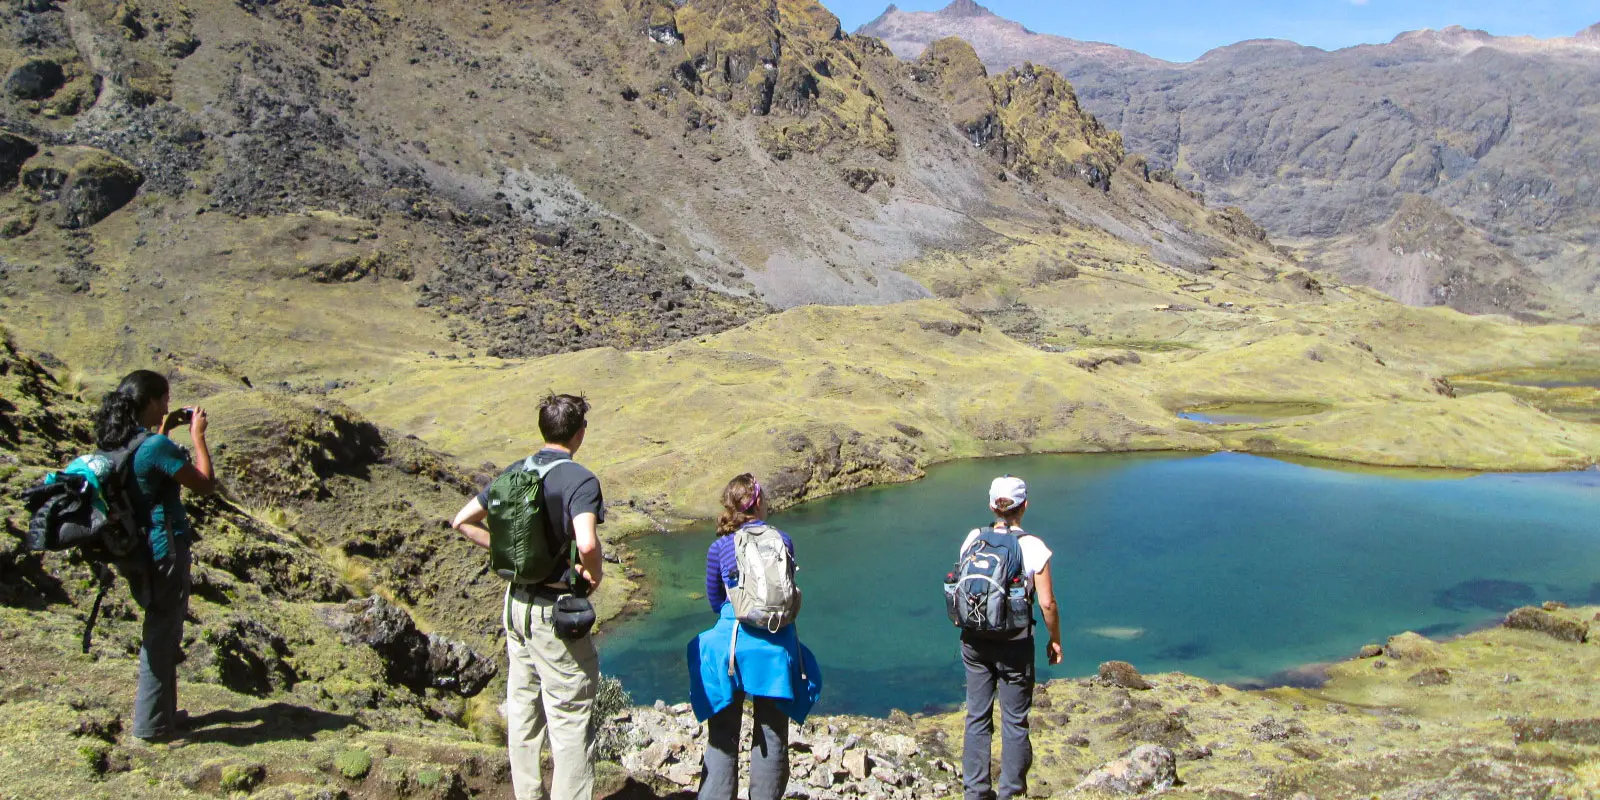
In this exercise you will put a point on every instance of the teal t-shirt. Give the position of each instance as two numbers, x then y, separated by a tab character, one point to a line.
156	467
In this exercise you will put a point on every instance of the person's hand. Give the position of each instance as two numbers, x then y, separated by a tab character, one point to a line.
197	426
1053	653
585	579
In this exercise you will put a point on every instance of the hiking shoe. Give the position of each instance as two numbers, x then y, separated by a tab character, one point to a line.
167	737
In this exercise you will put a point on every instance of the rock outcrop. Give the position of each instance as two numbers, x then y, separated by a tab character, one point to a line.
1547	622
83	184
1122	675
35	79
412	659
829	759
1027	118
1146	768
14	152
1319	144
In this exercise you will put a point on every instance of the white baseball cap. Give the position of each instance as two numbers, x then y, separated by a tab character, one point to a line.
1010	488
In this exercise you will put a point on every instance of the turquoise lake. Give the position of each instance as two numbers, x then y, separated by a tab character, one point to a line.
1231	567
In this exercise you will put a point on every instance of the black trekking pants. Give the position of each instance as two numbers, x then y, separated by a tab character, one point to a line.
164	596
1003	670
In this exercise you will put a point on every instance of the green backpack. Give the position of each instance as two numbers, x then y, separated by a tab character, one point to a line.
523	545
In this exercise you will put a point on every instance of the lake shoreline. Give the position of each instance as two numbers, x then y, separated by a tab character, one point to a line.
672	583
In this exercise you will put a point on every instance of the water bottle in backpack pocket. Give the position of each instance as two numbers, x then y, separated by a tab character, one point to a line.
1019	605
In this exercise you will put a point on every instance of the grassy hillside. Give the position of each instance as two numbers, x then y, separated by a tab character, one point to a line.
1023	360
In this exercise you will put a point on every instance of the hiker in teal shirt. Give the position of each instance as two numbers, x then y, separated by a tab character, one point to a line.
156	467
137	414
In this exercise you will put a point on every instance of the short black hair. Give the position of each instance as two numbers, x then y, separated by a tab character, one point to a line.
561	416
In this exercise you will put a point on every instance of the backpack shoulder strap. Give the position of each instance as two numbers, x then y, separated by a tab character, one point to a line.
123	457
544	469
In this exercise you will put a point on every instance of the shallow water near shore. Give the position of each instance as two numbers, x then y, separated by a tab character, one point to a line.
1226	566
1249	413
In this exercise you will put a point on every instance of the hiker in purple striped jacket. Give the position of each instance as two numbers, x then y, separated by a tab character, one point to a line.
753	651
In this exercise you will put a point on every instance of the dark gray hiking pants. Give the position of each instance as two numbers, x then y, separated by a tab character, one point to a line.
769	752
165	599
1004	669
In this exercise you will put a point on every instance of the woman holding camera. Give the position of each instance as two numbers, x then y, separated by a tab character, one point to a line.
137	415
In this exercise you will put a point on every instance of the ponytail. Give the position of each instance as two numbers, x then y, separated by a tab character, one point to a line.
741	504
118	419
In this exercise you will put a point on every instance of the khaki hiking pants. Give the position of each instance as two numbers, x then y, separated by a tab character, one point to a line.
550	693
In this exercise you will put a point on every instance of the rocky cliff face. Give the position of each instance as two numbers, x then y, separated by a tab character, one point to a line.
544	179
1424	255
1497	130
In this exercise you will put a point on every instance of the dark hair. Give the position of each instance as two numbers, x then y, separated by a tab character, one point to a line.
118	419
1005	508
741	500
561	416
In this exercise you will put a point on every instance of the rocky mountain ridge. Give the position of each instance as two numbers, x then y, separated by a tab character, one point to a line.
1321	145
554	178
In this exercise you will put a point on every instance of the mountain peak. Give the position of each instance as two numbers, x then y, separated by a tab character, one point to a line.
1590	34
1452	36
965	8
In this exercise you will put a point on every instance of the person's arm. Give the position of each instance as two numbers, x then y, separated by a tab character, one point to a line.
591	560
1044	588
198	477
716	593
468	521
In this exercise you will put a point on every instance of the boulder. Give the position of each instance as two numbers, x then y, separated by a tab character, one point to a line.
250	657
86	184
410	658
1538	619
455	667
1147	768
858	764
35	79
1123	675
1576	731
1271	730
1410	646
1433	676
14	152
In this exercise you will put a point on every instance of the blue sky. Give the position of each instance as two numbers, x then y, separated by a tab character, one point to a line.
1181	30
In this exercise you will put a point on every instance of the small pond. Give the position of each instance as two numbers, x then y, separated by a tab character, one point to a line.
1226	566
1544	377
1249	413
1568	392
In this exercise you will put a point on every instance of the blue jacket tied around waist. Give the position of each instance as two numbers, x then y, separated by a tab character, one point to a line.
765	664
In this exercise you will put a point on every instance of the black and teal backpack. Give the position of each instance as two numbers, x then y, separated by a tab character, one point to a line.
89	507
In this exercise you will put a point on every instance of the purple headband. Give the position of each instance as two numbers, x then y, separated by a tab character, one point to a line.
755	497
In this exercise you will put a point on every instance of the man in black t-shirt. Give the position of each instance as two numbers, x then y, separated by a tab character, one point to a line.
551	681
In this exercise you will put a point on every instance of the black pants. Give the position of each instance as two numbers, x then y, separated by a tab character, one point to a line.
164	596
1003	669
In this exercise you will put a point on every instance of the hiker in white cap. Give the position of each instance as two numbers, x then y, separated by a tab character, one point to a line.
990	596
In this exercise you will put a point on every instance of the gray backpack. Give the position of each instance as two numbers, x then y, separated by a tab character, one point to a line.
765	595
